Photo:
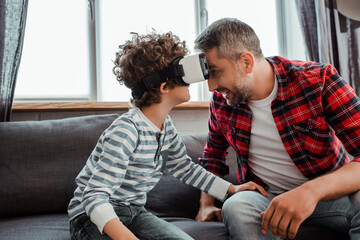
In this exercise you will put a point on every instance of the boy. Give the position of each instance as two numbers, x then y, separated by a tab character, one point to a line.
130	155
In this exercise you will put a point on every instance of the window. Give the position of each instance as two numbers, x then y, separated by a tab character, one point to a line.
262	19
54	63
117	20
69	45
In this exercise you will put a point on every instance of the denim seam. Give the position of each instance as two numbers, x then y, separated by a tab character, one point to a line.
327	214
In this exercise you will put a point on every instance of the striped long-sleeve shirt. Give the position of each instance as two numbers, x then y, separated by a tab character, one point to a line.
127	162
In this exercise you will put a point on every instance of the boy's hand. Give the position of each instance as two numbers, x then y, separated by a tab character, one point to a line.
207	211
247	186
117	231
209	214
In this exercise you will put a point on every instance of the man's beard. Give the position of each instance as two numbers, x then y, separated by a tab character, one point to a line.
240	94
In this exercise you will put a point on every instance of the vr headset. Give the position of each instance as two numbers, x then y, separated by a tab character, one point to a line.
183	70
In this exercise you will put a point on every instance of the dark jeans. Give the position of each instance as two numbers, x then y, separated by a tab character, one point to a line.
140	222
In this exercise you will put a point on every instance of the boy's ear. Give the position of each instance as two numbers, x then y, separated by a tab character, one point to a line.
164	88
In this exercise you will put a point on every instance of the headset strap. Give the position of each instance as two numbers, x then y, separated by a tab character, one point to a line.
173	71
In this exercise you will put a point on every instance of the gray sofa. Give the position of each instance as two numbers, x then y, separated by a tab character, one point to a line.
39	161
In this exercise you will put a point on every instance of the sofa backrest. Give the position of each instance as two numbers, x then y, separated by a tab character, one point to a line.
39	161
171	198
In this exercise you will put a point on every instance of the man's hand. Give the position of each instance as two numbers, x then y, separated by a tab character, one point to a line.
287	211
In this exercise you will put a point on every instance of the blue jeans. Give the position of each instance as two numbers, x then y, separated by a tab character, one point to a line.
241	215
140	222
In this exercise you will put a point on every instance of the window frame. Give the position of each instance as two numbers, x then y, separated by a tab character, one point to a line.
285	45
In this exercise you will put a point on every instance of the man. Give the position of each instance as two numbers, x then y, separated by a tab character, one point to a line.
285	120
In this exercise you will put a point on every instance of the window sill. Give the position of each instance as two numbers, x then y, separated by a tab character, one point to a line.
91	106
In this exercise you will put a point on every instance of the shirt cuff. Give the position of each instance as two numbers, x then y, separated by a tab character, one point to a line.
102	214
219	189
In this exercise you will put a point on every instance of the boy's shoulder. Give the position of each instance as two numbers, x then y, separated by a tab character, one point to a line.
130	116
134	120
126	120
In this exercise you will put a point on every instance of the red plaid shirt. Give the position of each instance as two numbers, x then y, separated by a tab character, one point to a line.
314	110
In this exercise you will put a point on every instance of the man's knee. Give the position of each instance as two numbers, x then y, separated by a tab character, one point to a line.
241	215
245	203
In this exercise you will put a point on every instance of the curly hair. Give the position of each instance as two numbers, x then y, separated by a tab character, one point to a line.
144	55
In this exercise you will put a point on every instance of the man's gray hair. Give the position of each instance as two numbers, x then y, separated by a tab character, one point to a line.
231	37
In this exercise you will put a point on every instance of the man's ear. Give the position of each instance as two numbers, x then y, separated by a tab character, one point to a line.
164	88
247	61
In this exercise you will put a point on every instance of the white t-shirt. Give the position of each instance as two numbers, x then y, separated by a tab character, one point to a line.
268	158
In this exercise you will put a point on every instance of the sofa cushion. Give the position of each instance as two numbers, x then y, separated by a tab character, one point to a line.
56	226
38	227
39	161
200	230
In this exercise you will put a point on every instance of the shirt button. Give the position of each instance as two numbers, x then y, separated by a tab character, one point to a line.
249	116
247	141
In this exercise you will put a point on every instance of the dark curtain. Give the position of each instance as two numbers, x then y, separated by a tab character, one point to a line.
12	28
331	38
